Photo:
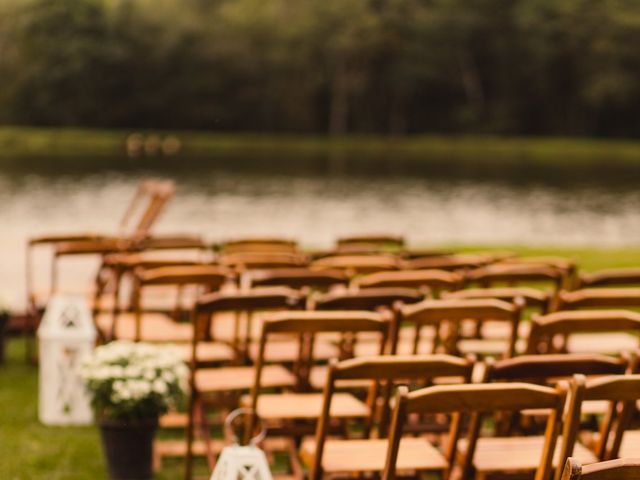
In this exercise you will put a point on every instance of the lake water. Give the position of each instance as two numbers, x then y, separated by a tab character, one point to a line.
318	199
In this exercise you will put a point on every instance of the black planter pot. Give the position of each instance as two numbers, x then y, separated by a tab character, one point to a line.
128	448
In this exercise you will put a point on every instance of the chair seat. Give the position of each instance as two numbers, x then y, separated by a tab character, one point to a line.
496	330
212	380
405	347
280	406
499	454
607	343
630	447
370	455
207	352
174	420
488	346
178	447
155	327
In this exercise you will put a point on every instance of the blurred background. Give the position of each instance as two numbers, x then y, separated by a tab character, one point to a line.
484	123
522	67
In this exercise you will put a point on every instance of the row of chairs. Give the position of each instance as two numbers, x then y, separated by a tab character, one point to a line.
486	307
302	373
294	408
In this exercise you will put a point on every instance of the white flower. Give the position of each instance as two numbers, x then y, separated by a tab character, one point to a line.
160	387
133	371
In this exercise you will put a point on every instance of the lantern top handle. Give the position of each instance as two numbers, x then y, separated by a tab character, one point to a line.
228	426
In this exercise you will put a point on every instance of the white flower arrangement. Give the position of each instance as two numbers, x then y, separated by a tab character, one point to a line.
130	381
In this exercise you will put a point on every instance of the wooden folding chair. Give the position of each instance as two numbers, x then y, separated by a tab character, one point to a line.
353	265
549	370
616	439
617	277
223	386
129	236
584	331
452	314
533	298
293	414
477	400
428	281
364	299
619	469
567	265
512	274
172	301
367	455
115	278
601	298
133	235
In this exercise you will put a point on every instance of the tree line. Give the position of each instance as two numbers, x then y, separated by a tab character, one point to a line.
513	67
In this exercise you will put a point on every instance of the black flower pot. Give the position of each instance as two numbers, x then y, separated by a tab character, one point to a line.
128	448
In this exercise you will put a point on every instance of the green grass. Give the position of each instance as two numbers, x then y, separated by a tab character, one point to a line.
29	450
17	142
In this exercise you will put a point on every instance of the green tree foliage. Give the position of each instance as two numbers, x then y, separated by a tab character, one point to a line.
553	67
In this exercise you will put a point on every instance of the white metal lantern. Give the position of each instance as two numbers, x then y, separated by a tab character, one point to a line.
66	336
242	462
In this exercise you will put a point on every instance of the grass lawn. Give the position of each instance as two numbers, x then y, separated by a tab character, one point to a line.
88	144
29	450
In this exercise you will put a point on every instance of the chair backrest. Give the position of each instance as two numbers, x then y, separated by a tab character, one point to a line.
148	202
247	303
548	370
454	262
545	367
433	313
532	296
565	264
622	391
262	260
612	276
258	245
619	469
427	280
392	370
625	297
365	299
478	399
298	278
354	265
517	273
550	332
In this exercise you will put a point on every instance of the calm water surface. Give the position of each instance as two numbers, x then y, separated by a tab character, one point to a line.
316	200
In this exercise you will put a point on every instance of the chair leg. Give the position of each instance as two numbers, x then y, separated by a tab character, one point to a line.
190	427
